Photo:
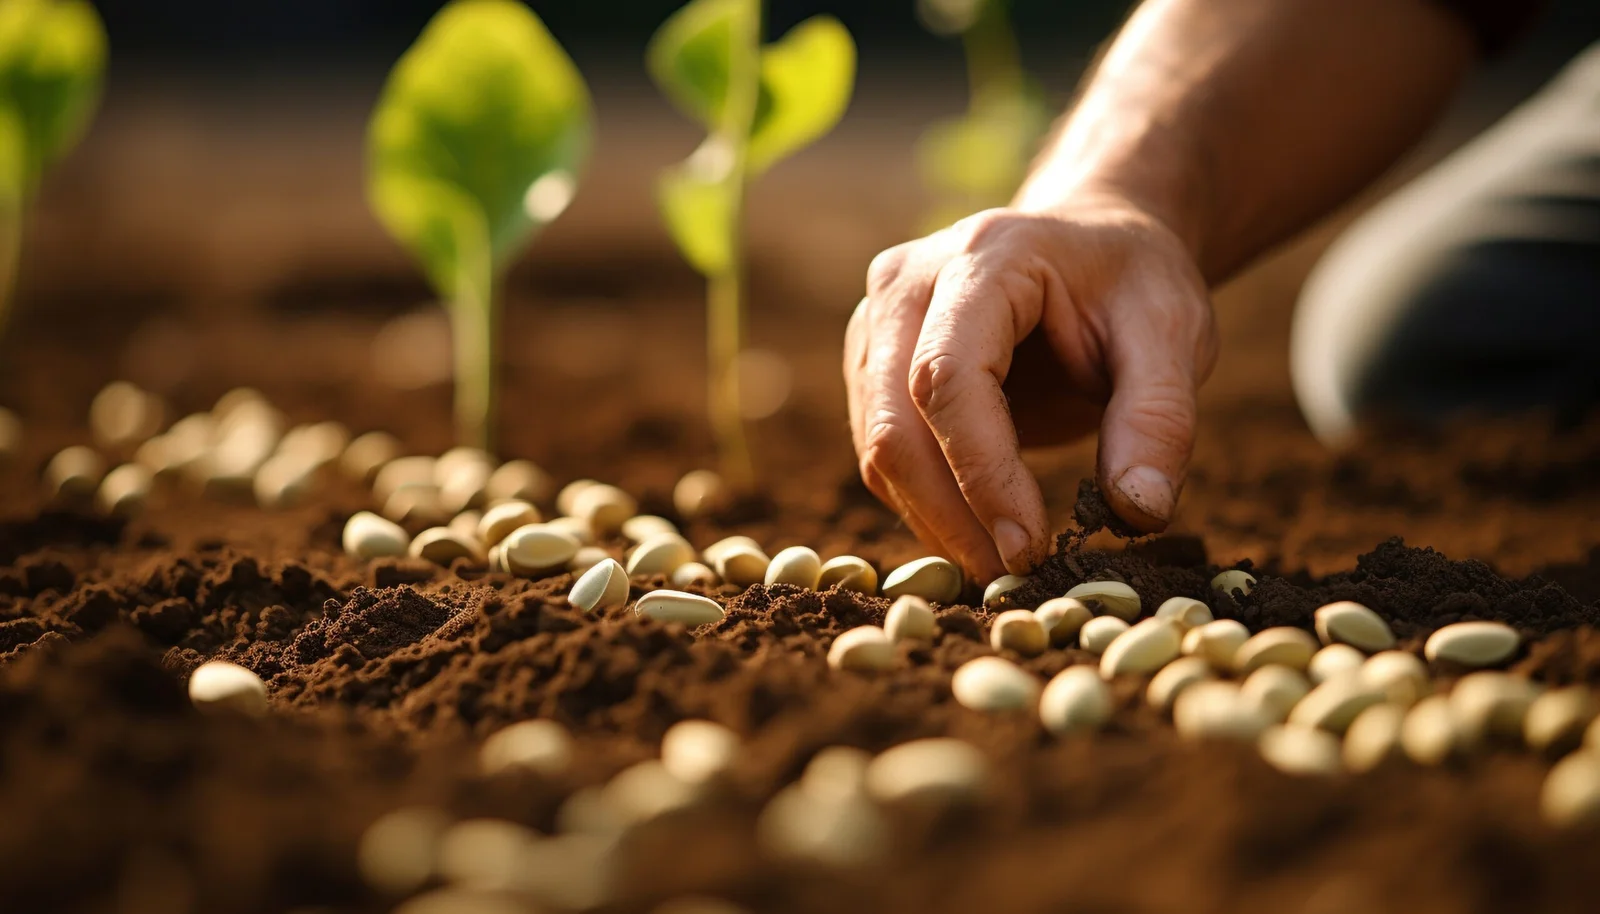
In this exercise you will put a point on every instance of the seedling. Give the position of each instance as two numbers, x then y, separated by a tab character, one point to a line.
759	105
476	144
52	63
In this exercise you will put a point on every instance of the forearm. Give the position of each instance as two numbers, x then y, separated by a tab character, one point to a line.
1236	122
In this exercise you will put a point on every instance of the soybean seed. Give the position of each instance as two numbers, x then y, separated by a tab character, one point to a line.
1556	719
1373	737
484	855
1142	649
692	574
644	792
460	457
701	493
796	565
1300	751
1062	618
123	414
1274	690
699	751
441	546
315	445
74	473
1334	704
567	498
837	831
1334	660
601	587
1216	710
1281	644
660	554
520	480
463	487
575	527
741	565
125	490
1234	581
937	770
465	525
537	549
1172	679
1110	597
497	558
1571	793
835	773
1018	630
1473	644
402	473
219	685
910	619
415	504
604	508
1218	642
1075	701
641	527
368	536
712	552
865	649
849	573
585	558
1429	734
1098	633
1348	622
1491	705
1185	612
1401	676
1001	586
993	684
397	852
365	455
541	746
677	606
283	481
933	579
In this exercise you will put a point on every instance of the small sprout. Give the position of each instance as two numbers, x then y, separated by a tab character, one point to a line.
476	144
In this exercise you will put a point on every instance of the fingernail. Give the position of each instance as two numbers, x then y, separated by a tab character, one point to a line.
1011	541
1150	491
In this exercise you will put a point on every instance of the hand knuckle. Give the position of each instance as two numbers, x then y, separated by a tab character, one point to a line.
883	451
933	380
887	268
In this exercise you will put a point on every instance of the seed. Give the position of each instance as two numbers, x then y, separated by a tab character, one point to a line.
1169	683
587	557
519	480
1300	751
1373	737
125	490
566	499
1112	597
1347	622
910	619
459	457
839	831
604	508
1216	710
701	493
465	525
1075	701
501	519
1020	631
484	854
646	791
235	399
712	552
933	579
641	527
865	649
1185	612
1491	705
1571	793
415	505
1334	704
1274	690
397	852
497	558
541	746
1281	644
1062	617
1098	633
537	549
1399	674
676	606
441	546
1556	719
1473	644
692	574
993	684
219	685
463	487
1234	581
315	446
1218	642
368	536
1001	586
1429	735
577	528
403	473
934	771
122	414
1142	649
74	473
699	751
1334	660
848	572
246	436
365	455
835	773
741	565
603	586
661	554
796	565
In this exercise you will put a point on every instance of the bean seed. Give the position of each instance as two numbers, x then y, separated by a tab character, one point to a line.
401	473
676	606
836	772
1334	660
604	507
577	528
1334	704
442	546
1216	710
1491	705
1185	612
1169	683
465	525
641	527
541	746
910	619
865	649
1300	751
993	684
1274	690
397	852
699	751
415	505
937	770
842	831
537	549
1098	633
712	552
603	586
497	558
237	398
1234	581
1001	586
701	493
848	573
647	791
1075	700
317	445
123	414
933	579
10	434
366	454
1218	642
219	685
1430	735
1141	650
484	854
1018	630
661	554
463	487
125	490
1556	719
796	565
1348	622
518	480
693	574
1399	674
368	536
1282	645
741	566
458	458
1473	644
1373	737
1110	597
74	473
1571	793
1062	617
567	498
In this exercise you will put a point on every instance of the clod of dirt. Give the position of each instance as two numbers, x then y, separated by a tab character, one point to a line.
1094	514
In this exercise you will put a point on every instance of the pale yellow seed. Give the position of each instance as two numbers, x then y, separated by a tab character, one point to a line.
661	554
1109	597
1142	649
604	508
441	546
463	487
1348	622
849	573
402	473
1062	618
366	454
933	579
1373	737
1400	674
712	552
1234	581
1274	691
520	480
699	751
934	771
1282	645
1185	612
123	414
1473	644
398	851
1172	679
1334	660
566	499
693	574
466	523
701	493
677	606
1430	735
125	490
219	685
910	619
1556	719
1216	710
585	558
368	536
575	527
541	746
74	474
537	550
1571	793
1217	642
641	527
1098	633
993	684
415	504
1491	705
1001	586
1018	630
460	457
798	566
499	520
1300	751
1334	704
603	586
741	565
1075	700
865	649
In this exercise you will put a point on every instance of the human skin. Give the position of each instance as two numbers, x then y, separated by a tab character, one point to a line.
1210	130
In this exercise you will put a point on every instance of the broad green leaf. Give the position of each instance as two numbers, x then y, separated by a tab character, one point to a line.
986	153
688	57
697	203
52	64
485	112
806	81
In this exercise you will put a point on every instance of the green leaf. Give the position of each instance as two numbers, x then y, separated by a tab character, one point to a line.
484	114
697	203
52	65
688	57
806	81
984	154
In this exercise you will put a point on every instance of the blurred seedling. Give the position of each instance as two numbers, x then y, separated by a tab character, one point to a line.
52	66
759	104
476	143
